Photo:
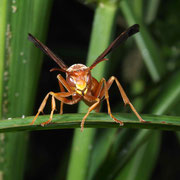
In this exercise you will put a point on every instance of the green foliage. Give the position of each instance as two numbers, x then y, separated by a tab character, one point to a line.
19	72
129	152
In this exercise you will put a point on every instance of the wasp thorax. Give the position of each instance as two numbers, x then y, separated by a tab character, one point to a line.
78	77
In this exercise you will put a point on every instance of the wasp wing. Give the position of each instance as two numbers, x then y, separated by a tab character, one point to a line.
47	51
121	38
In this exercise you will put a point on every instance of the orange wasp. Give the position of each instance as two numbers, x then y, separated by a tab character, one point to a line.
80	85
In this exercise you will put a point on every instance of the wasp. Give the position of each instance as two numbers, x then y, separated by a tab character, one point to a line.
81	85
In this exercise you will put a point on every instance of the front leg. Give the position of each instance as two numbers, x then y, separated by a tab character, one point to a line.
106	94
123	94
62	90
62	83
96	101
59	96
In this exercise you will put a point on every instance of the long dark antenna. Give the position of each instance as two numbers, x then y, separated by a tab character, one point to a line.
120	39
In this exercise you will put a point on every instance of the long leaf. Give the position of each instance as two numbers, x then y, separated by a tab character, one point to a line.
20	76
95	120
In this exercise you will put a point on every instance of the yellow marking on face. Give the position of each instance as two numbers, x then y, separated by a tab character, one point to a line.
81	85
80	92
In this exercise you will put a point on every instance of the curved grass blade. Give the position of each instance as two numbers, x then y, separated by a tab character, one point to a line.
95	120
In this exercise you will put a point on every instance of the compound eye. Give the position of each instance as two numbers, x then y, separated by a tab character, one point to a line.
88	77
71	81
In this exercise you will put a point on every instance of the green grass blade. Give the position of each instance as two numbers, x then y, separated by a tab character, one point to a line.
169	96
147	46
100	38
138	8
80	154
20	76
100	150
23	69
151	10
121	153
142	161
95	120
3	5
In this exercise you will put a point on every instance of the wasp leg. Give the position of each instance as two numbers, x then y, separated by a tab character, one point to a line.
60	96
106	94
123	94
62	83
62	90
92	107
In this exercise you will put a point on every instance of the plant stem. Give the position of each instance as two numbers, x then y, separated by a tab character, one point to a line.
100	38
